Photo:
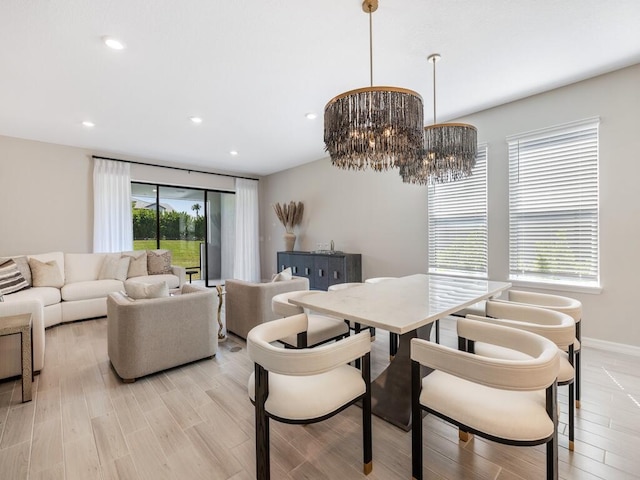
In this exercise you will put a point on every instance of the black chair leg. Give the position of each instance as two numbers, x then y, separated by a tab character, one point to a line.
577	365
437	322
577	369
416	422
367	442
571	413
263	466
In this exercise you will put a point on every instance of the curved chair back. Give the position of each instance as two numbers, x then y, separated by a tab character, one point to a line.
559	303
307	385
379	279
494	398
344	286
281	306
556	326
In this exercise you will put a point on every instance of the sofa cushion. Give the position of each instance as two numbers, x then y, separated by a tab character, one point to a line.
11	280
89	290
285	274
82	267
46	274
158	262
137	263
47	295
139	291
171	280
114	268
47	257
23	265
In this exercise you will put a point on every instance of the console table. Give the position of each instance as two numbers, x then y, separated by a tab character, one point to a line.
21	324
323	269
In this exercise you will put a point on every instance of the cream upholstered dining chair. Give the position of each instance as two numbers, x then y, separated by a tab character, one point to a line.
308	385
555	326
497	399
559	303
322	328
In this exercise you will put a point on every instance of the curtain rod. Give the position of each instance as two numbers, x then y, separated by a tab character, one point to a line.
174	168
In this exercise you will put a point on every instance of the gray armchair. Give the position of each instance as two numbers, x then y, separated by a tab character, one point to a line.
150	335
248	304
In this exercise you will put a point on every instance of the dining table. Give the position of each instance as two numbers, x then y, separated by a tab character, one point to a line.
406	306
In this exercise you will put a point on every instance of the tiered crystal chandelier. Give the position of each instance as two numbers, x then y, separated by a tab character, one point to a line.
449	149
377	127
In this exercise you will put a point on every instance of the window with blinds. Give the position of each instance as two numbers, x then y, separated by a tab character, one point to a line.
458	223
553	204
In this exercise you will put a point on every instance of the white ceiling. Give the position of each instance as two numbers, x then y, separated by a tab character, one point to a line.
252	69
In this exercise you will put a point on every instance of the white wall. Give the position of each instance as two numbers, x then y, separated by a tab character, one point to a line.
385	220
46	199
46	194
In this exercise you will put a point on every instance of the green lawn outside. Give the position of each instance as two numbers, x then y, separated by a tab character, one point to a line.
184	253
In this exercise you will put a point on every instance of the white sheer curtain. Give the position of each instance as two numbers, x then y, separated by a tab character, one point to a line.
112	223
228	234
246	265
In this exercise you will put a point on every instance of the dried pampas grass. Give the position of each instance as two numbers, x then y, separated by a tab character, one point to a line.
289	214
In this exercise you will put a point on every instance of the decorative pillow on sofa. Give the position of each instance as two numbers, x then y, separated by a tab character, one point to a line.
11	280
46	274
114	268
159	262
23	266
283	275
137	263
139	291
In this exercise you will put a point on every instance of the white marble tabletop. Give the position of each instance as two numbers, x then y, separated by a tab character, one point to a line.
403	304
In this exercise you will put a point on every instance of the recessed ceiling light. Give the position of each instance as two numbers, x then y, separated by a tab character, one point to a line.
195	119
311	116
113	43
88	124
233	152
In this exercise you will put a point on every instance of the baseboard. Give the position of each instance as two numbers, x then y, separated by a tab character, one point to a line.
611	346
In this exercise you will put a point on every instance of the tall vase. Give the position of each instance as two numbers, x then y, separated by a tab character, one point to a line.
289	241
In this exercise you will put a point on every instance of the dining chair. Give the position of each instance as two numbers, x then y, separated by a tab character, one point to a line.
555	326
496	399
559	303
322	328
307	385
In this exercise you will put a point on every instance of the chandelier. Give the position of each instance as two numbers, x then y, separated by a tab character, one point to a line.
449	149
377	127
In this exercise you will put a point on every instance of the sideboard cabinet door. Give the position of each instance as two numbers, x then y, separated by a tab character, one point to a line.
322	270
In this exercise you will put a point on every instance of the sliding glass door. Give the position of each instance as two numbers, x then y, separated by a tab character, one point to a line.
196	225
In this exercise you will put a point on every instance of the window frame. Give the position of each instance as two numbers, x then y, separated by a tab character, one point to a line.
545	203
470	211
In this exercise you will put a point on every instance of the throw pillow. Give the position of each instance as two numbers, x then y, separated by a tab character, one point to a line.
139	291
285	274
46	274
137	263
114	268
23	266
159	262
11	280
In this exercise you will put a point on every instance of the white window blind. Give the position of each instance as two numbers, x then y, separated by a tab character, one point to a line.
553	204
458	223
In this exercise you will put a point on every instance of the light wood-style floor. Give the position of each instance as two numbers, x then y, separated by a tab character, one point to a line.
196	422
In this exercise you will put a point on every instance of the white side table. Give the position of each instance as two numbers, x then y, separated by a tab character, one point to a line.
21	324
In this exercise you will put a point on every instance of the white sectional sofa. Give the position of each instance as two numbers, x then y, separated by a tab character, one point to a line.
83	295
